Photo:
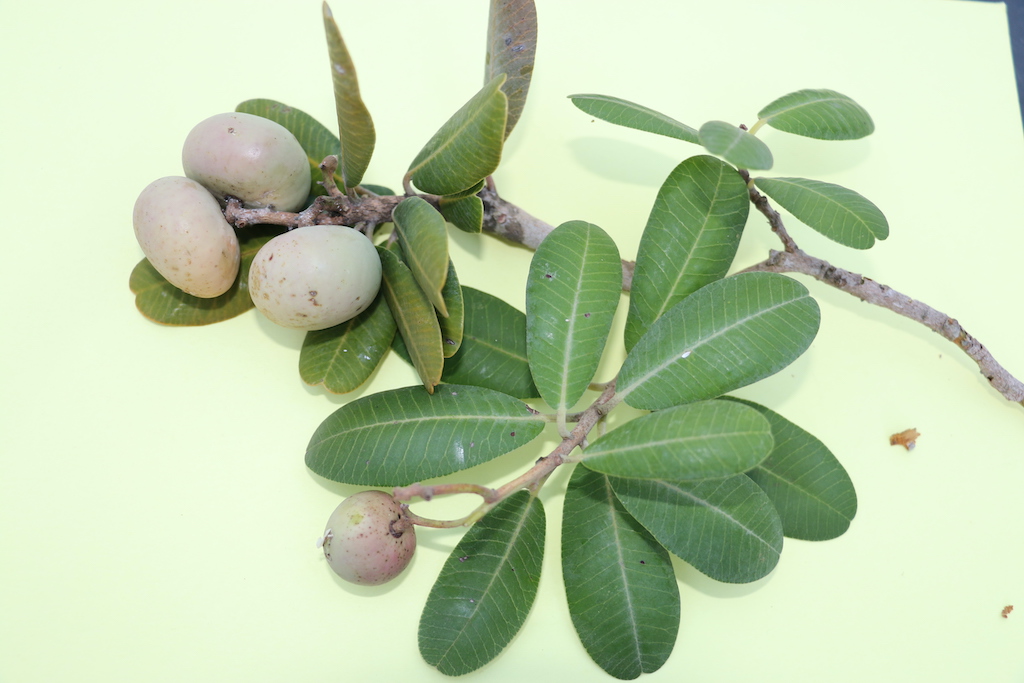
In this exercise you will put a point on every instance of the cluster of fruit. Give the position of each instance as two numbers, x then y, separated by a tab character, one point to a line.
308	278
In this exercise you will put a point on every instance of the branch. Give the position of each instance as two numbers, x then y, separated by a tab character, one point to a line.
796	260
531	479
878	294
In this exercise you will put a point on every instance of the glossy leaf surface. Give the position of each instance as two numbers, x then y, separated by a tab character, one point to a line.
342	357
493	351
706	440
355	127
162	302
424	239
485	589
415	317
810	488
467	148
397	437
316	139
735	145
465	213
619	581
571	293
726	335
690	240
631	115
726	528
511	48
452	327
818	113
840	214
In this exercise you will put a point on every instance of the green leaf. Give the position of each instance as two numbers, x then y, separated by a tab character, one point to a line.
424	239
705	440
397	437
493	351
735	145
163	303
572	290
624	113
808	485
355	126
485	589
839	214
690	240
818	113
342	357
619	581
452	327
511	49
726	335
316	139
465	213
726	528
415	316
467	148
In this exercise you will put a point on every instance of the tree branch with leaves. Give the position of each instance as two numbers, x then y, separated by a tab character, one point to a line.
699	474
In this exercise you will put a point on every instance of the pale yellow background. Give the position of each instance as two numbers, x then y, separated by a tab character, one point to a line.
156	520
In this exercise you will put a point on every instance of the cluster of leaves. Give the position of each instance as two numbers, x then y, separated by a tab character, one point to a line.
717	481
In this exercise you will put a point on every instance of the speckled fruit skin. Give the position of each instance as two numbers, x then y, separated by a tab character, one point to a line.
360	540
249	157
182	232
315	277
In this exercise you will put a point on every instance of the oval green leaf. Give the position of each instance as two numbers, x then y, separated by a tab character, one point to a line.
839	214
342	357
493	351
690	239
465	213
162	302
705	440
415	317
467	148
572	290
355	127
735	145
397	437
726	528
818	113
452	327
316	139
725	335
619	581
511	49
424	239
808	485
485	589
631	115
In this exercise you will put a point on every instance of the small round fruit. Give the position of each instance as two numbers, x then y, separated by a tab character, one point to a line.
182	232
368	539
249	157
315	277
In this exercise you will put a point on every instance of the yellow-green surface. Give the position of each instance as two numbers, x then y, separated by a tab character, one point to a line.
156	520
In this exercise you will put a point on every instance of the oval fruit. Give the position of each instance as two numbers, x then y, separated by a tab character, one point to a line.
182	232
249	157
368	539
315	277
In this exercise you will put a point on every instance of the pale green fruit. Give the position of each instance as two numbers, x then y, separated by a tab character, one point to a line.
315	277
182	232
248	157
368	539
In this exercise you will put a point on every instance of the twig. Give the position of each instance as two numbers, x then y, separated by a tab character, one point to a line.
878	294
795	260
